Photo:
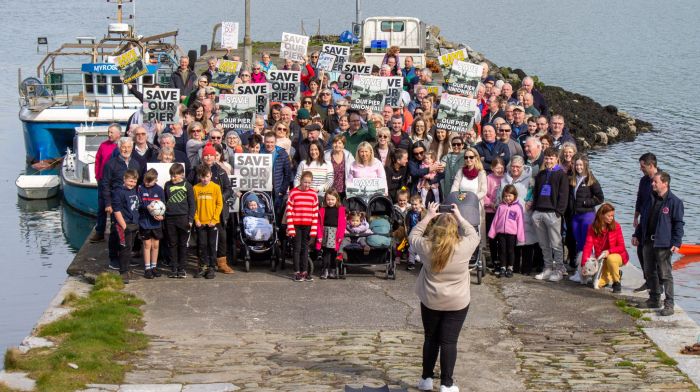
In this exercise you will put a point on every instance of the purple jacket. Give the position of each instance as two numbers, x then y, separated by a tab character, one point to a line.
508	220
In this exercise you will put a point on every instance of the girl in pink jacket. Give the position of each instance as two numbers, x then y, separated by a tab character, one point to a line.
508	227
330	233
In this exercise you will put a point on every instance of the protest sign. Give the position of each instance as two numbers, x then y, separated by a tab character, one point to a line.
252	172
226	74
366	187
325	62
368	92
436	90
261	92
163	170
293	47
456	113
161	104
131	65
447	59
237	111
393	91
464	78
284	85
341	53
229	35
349	71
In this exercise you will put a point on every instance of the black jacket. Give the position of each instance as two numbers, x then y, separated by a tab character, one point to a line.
185	86
585	198
113	175
395	180
551	192
404	143
179	200
498	149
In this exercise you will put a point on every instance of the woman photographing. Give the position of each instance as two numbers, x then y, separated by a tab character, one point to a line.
443	288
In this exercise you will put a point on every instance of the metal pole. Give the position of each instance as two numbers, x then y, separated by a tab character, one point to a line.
247	42
357	11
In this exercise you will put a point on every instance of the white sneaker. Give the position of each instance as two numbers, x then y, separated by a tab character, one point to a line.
425	384
544	275
595	283
584	280
555	276
453	388
575	277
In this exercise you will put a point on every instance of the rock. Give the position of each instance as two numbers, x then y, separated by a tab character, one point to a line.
612	132
151	388
633	129
583	143
601	138
31	342
17	381
521	74
216	387
611	109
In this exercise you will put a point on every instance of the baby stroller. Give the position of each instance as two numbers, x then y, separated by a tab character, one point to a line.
257	229
381	242
469	206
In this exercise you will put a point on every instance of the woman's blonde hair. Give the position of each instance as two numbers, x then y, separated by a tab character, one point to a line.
443	239
477	158
364	145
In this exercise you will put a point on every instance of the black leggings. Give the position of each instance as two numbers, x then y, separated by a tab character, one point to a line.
301	248
525	258
441	334
329	258
506	249
493	242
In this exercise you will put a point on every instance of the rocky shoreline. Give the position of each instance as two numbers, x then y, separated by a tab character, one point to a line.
591	124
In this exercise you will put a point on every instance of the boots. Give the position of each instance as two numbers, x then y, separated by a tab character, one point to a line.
222	265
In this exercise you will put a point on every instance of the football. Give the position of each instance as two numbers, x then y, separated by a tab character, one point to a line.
157	208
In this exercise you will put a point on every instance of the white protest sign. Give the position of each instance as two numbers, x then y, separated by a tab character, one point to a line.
293	46
464	78
341	53
161	104
285	85
163	170
368	92
252	172
456	113
261	92
393	91
349	72
447	59
366	187
326	62
237	111
229	35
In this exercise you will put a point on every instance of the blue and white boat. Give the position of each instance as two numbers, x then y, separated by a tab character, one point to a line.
78	169
88	89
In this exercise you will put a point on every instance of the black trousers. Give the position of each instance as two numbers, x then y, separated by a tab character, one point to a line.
329	258
441	330
525	258
178	233
506	249
125	252
301	248
207	242
658	272
221	248
493	242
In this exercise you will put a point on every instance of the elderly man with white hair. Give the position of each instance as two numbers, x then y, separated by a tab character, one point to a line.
167	140
539	101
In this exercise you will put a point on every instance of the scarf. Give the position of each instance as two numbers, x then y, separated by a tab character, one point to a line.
470	173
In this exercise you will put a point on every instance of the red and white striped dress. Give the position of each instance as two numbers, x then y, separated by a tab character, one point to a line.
302	210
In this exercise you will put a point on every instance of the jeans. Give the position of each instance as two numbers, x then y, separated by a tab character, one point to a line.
301	248
441	330
658	272
548	229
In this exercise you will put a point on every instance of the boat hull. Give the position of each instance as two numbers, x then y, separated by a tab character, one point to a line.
82	197
689	249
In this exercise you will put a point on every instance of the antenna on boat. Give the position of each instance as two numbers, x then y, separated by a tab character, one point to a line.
120	27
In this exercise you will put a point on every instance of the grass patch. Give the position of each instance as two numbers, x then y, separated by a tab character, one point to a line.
624	307
665	359
646	318
97	336
624	364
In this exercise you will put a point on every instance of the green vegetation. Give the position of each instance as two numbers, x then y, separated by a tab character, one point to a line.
624	364
665	359
632	311
98	337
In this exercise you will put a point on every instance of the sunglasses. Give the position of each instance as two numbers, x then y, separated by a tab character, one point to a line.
215	137
196	130
469	156
418	152
245	76
383	136
280	129
456	144
307	103
325	93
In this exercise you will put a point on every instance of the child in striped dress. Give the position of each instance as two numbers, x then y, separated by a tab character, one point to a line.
302	221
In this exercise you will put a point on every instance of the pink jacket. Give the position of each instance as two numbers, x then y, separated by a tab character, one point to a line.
493	183
339	234
104	152
508	220
375	170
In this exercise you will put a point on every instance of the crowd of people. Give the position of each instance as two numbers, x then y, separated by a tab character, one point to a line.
543	212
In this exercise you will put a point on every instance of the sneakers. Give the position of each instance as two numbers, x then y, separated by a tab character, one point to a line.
332	274
200	272
96	237
617	287
114	265
173	274
556	276
298	277
641	288
666	311
181	274
210	273
575	277
307	277
544	275
453	388
411	266
425	384
148	274
501	272
125	277
509	273
156	272
324	273
650	304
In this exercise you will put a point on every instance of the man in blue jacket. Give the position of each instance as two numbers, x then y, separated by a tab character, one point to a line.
489	148
281	170
660	231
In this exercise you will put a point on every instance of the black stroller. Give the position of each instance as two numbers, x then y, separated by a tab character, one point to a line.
469	206
255	240
378	207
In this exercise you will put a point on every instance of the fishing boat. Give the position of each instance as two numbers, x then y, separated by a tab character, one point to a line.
78	169
79	83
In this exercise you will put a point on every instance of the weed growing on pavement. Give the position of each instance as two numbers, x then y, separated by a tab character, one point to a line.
98	336
632	311
624	364
665	359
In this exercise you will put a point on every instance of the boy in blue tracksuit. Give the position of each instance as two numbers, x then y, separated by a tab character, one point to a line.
125	203
150	225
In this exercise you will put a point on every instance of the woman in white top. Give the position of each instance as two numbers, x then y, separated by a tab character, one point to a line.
322	171
472	177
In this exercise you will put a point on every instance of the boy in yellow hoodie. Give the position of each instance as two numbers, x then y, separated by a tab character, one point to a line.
209	203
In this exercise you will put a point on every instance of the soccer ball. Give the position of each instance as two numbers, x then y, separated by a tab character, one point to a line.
157	208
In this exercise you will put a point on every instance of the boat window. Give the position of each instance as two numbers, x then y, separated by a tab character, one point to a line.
117	86
89	87
147	80
92	142
101	84
389	26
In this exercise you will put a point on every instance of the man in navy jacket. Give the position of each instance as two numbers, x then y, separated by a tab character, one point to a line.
660	231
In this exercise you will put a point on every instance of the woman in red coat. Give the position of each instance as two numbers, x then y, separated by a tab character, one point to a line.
605	239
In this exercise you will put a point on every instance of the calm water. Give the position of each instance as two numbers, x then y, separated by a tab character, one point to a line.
639	55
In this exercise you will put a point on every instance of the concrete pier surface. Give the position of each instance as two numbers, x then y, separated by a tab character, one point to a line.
260	331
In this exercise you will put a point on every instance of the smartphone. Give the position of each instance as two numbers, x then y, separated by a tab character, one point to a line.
445	208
